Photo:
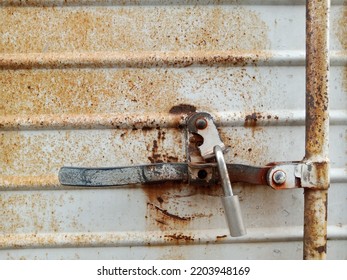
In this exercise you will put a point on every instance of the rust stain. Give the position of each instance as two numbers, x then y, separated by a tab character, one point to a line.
71	96
167	214
251	121
341	33
9	148
182	109
158	200
167	208
57	29
179	237
43	153
157	218
158	151
23	212
315	224
317	67
250	152
85	91
322	174
317	123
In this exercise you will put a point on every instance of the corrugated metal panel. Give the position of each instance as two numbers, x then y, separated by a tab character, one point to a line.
107	83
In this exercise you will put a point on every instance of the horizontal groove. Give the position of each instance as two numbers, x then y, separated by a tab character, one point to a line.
155	120
51	182
338	175
49	3
143	59
155	238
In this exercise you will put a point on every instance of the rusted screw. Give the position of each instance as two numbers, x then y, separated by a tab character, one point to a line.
201	123
279	177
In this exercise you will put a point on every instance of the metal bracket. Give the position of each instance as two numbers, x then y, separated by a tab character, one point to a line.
287	175
203	125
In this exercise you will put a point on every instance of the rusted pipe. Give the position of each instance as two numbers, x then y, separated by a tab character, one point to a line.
317	126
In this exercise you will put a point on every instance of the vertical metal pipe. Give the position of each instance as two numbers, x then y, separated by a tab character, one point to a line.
317	126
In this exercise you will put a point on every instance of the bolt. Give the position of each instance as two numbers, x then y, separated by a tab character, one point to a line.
279	177
201	123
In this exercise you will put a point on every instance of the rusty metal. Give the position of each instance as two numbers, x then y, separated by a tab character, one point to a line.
291	181
85	87
86	3
158	59
317	126
299	175
131	59
254	175
312	175
138	238
128	175
173	119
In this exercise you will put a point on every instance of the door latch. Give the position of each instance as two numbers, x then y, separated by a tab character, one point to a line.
205	165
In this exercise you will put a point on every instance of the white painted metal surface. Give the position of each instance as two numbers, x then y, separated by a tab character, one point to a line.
101	83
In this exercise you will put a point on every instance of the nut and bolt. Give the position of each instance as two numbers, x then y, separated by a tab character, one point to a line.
201	123
279	177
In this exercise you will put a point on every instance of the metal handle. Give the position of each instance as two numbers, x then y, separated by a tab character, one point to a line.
230	202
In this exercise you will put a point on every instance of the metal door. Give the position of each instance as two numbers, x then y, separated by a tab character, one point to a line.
110	83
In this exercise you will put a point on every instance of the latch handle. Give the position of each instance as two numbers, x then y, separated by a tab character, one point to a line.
230	201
